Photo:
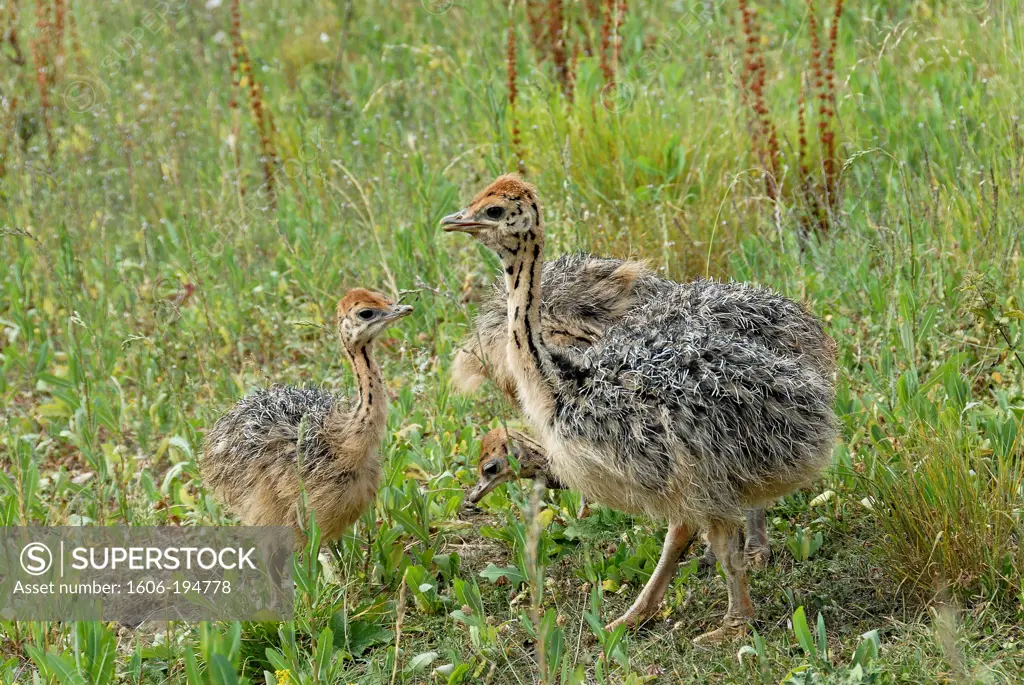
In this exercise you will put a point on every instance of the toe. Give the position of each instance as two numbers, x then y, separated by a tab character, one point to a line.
758	558
635	617
721	635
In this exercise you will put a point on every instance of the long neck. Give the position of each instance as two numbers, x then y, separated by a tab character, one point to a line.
357	433
527	356
372	403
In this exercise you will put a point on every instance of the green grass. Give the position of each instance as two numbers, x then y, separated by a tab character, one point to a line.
392	122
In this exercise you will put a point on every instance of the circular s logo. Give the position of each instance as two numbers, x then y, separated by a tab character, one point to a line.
617	97
437	7
36	558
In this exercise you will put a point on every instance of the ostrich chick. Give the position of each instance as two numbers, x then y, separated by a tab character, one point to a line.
669	414
251	458
581	296
494	467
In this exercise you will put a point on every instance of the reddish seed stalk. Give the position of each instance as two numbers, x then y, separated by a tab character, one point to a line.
243	75
538	28
513	92
559	55
235	68
559	38
828	98
812	28
820	199
76	45
571	75
40	54
608	12
620	17
801	114
58	39
763	131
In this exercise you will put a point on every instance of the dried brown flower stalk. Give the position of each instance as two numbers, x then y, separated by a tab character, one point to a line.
243	78
40	58
819	199
557	43
513	93
753	81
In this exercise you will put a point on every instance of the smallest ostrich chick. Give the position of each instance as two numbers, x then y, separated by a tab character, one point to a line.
252	460
495	468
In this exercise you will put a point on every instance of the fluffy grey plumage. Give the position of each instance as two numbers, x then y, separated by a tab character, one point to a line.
584	295
251	458
262	431
710	396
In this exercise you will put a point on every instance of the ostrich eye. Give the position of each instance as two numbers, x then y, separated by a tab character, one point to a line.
495	212
367	314
491	469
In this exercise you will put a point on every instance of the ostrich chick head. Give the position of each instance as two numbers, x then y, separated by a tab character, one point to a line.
363	315
494	467
501	216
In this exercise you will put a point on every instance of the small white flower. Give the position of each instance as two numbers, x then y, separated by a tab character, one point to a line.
213	4
324	38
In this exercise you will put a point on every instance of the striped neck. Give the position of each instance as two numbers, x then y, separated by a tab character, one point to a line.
528	358
372	400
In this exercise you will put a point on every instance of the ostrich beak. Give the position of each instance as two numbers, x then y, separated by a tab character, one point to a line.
487	483
398	311
457	222
482	487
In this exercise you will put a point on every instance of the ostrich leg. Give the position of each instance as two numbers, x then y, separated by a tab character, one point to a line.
756	548
727	540
677	541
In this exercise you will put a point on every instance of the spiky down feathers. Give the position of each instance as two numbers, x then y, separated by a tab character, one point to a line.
699	403
251	459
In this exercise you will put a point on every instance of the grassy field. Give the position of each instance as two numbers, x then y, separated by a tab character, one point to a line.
185	195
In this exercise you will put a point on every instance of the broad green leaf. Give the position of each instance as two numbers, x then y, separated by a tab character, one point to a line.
221	671
514	575
803	632
420	661
192	668
65	669
324	648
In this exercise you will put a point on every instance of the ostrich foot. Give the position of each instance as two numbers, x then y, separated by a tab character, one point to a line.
677	540
636	616
757	558
756	550
719	636
727	539
707	562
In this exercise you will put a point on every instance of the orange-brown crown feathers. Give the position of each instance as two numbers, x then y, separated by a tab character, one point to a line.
507	187
363	315
494	444
361	297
